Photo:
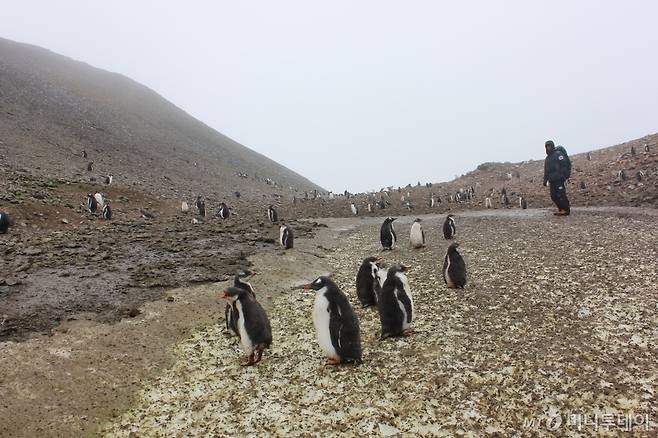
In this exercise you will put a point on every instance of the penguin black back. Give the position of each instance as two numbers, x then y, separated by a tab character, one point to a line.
201	206
92	205
395	306
5	222
107	212
224	212
366	281
454	268
387	234
449	228
255	321
286	237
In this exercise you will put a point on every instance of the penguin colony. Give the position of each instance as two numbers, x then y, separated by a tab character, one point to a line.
336	324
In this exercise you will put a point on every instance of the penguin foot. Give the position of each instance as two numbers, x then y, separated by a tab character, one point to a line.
247	360
333	361
407	332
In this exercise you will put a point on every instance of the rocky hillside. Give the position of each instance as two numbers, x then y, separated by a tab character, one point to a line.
54	111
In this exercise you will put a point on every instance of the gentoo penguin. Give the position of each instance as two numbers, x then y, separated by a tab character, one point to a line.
487	202
201	206
589	156
646	147
336	324
639	175
107	212
583	185
369	207
396	306
523	203
286	238
224	212
84	154
241	281
91	203
449	229
504	200
387	234
108	179
367	282
5	222
454	268
622	175
147	214
271	214
432	201
184	207
632	150
252	323
100	200
355	210
417	236
90	166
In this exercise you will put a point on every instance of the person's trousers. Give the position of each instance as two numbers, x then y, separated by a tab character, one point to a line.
559	196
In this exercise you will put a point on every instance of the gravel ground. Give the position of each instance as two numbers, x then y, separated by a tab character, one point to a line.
557	325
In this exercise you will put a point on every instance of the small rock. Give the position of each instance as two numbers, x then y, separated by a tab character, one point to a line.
65	221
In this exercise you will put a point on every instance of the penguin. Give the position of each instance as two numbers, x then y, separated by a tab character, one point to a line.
252	323
201	206
454	268
5	222
100	200
271	214
646	147
286	237
417	236
487	202
523	203
336	324
432	202
92	205
90	166
387	234
589	156
368	287
84	154
107	212
369	207
633	150
622	175
449	229
237	195
355	210
240	281
396	307
147	214
504	200
224	212
184	207
639	175
108	179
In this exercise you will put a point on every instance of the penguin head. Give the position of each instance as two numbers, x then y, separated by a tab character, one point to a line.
453	247
319	283
244	274
418	220
397	268
390	219
233	294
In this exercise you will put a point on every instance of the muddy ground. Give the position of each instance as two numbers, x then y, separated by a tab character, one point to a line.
558	322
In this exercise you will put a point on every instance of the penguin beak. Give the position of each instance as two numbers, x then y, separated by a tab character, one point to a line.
225	295
406	268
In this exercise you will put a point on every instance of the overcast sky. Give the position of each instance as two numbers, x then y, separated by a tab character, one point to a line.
362	94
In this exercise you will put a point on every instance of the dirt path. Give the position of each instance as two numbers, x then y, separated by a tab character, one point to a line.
558	322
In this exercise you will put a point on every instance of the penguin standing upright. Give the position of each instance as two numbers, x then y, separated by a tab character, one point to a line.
646	147
449	229
286	237
252	323
523	203
5	222
336	324
487	202
90	166
92	206
184	207
201	206
583	185
589	156
107	212
355	210
396	306
369	207
387	234
241	281
108	179
271	214
367	282
224	212
100	200
504	200
417	237
454	268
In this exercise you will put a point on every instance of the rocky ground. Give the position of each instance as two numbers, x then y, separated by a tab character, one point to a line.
556	330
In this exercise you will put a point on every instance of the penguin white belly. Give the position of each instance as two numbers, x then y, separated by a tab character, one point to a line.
321	322
281	236
245	340
99	200
449	281
416	236
407	290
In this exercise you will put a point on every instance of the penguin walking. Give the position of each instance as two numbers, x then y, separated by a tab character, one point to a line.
107	212
523	203
92	205
487	202
252	323
201	206
271	214
184	207
368	287
240	281
100	200
355	210
224	212
336	324
417	237
396	307
5	222
286	237
387	234
449	229
454	268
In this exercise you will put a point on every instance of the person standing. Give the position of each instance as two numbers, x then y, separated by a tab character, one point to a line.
556	173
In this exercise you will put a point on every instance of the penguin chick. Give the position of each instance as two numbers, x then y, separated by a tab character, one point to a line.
417	235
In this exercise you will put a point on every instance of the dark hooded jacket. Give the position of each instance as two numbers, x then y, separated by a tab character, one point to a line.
555	170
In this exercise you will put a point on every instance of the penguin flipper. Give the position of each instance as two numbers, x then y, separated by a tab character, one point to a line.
406	302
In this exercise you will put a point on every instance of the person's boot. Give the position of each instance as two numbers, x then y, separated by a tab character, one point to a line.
561	213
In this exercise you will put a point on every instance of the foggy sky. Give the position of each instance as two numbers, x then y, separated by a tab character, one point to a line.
359	95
